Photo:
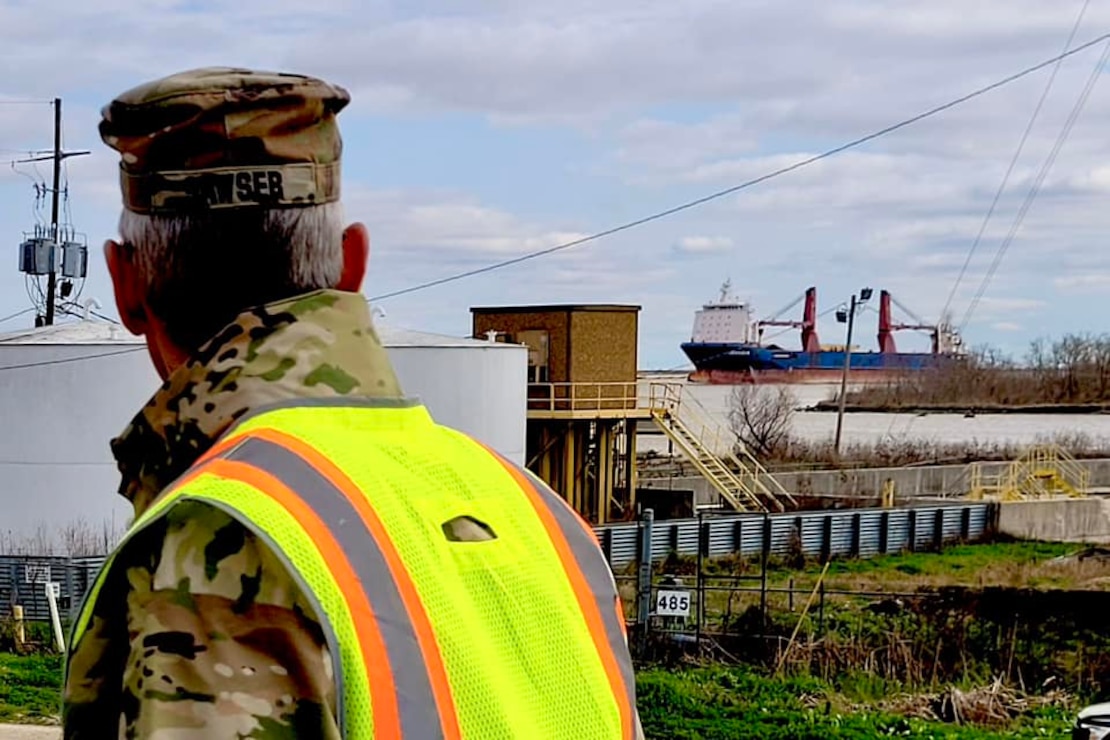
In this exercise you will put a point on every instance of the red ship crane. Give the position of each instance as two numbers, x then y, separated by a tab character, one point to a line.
887	326
808	324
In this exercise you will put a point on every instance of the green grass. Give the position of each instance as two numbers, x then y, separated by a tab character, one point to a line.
684	704
1010	564
1016	610
735	703
30	688
955	562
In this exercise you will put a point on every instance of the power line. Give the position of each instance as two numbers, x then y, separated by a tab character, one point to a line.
14	101
47	363
749	183
58	463
17	314
1013	161
109	319
73	308
1036	186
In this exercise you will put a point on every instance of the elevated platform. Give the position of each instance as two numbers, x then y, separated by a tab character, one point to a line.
574	426
587	401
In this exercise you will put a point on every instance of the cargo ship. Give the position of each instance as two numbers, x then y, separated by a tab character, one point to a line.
728	347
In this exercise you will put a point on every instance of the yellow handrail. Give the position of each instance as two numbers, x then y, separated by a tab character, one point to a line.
749	475
1040	472
734	444
584	396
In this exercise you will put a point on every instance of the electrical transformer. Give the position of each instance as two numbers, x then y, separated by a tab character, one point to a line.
36	256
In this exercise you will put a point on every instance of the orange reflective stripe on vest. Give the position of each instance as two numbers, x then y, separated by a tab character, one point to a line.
590	575
407	700
420	626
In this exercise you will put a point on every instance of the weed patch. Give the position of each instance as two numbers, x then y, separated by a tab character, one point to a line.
30	688
736	703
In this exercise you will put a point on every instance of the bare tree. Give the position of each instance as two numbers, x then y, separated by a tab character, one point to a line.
78	538
760	416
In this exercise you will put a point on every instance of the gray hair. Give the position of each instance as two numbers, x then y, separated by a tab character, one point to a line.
202	270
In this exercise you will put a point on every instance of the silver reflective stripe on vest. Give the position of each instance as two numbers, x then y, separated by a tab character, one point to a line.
415	701
592	563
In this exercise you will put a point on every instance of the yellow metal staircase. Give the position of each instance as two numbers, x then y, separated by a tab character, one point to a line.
1045	471
718	456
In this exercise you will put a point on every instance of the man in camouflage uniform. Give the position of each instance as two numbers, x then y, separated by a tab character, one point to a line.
201	631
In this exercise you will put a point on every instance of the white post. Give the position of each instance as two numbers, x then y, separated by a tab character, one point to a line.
59	640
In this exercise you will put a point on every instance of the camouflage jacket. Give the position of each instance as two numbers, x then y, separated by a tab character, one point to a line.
200	631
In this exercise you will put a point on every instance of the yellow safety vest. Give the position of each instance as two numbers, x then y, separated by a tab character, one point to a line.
516	636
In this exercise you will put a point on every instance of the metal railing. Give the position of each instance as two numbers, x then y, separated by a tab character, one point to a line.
711	446
1044	471
1052	468
668	401
600	396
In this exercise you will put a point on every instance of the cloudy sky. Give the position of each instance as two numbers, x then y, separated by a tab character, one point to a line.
482	133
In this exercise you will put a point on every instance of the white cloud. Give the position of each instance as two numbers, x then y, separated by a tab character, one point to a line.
694	245
668	147
1006	326
668	102
589	58
421	235
999	306
456	227
1088	282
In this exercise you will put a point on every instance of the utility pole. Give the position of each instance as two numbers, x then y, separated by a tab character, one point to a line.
864	295
844	376
41	255
51	280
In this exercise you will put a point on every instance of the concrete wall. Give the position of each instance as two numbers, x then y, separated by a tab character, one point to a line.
1076	520
928	482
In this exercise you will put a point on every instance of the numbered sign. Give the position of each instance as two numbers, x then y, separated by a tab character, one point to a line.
36	573
672	603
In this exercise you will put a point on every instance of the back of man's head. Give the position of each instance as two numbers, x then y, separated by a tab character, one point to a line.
230	183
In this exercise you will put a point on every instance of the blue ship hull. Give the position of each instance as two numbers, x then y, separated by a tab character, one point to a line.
737	363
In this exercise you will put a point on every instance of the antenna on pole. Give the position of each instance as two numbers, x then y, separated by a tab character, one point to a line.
39	254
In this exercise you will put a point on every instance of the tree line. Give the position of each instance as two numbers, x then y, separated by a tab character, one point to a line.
1071	370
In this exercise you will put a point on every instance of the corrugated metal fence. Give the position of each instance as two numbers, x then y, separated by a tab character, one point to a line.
23	581
852	532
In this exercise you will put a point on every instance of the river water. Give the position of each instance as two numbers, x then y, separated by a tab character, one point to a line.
1019	429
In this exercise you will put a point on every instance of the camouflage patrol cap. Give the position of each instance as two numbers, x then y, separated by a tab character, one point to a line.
223	137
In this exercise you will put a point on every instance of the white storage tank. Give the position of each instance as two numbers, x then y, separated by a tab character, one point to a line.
66	390
478	387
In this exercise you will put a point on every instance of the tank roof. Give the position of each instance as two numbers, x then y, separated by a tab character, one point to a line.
86	331
96	332
396	337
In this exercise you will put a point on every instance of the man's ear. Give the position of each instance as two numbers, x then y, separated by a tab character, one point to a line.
356	255
128	288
